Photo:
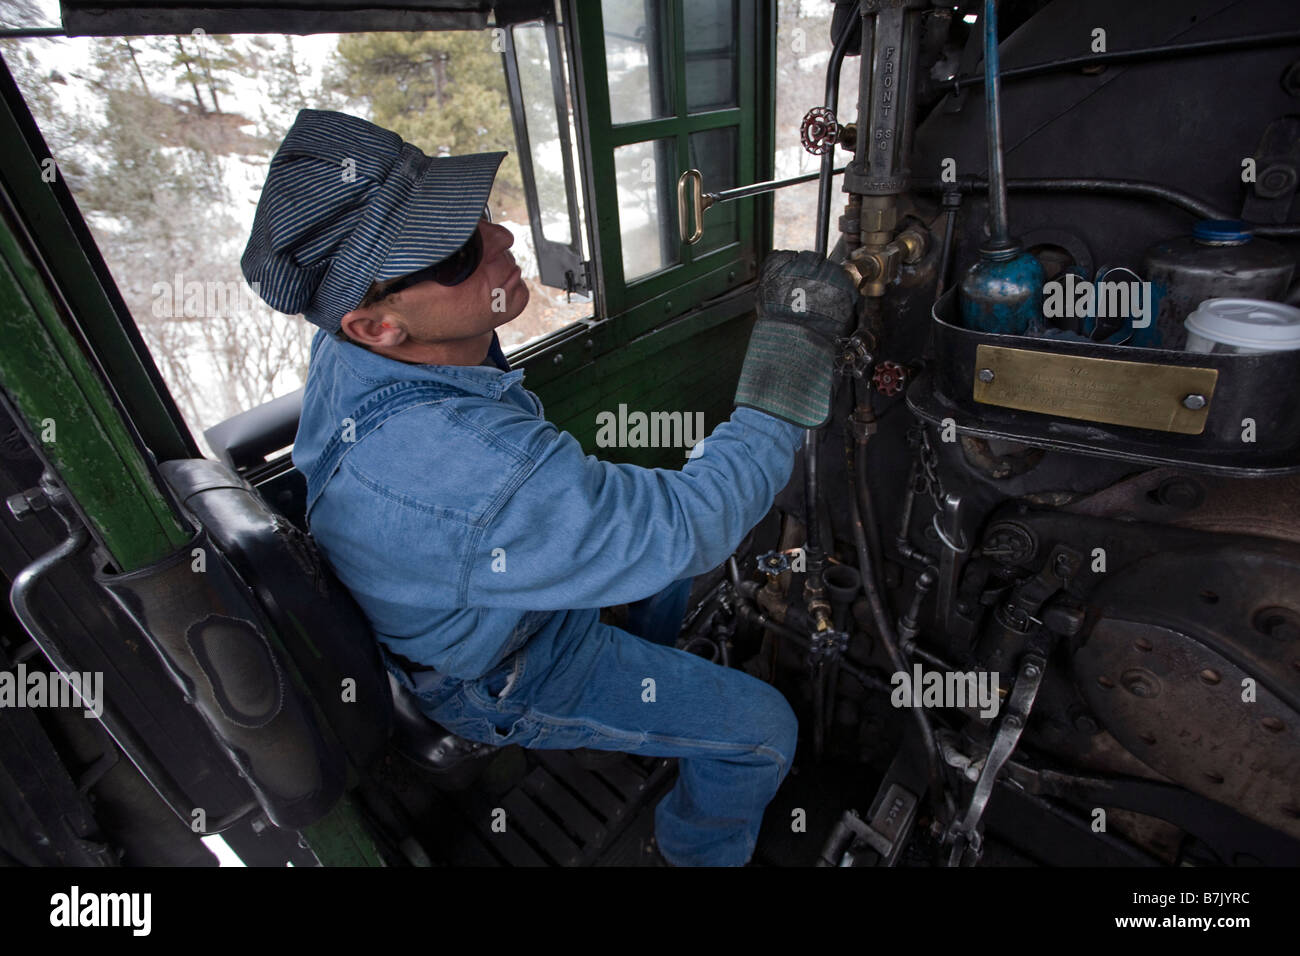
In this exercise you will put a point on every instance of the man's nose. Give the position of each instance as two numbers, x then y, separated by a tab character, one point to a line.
496	239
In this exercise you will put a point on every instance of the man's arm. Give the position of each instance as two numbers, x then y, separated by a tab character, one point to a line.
580	532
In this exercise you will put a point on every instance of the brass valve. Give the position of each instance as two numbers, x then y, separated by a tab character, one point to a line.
873	269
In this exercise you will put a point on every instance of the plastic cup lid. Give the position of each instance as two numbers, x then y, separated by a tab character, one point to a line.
1247	323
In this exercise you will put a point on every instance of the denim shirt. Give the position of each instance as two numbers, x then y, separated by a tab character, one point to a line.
461	525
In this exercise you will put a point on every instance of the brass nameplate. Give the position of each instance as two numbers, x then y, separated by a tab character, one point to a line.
1139	394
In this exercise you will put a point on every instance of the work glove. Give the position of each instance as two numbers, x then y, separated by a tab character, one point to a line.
804	304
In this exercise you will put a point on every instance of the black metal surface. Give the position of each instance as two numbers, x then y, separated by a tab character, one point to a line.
1234	839
1182	667
560	812
1257	387
47	821
1184	273
94	635
891	37
141	18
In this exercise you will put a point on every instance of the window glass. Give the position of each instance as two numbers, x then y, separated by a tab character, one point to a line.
543	130
711	28
803	49
713	153
647	211
636	46
164	142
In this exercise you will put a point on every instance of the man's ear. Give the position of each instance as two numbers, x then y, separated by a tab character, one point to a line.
373	326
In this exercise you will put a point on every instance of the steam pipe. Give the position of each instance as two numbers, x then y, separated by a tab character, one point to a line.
831	101
1169	51
1118	187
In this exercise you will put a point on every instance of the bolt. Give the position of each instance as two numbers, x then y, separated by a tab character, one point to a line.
559	357
24	504
1194	401
1140	684
1085	724
1181	493
986	375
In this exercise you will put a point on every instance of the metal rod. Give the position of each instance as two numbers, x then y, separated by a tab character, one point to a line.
1170	51
1118	187
831	102
18	33
999	237
896	659
123	736
752	614
951	203
754	189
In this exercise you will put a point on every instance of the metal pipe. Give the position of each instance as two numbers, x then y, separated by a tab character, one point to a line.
19	33
752	614
1169	51
831	101
20	600
951	203
897	661
999	234
767	186
1118	187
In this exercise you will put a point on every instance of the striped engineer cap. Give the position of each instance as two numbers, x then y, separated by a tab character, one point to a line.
347	203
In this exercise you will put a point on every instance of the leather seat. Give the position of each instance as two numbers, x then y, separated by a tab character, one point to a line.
319	623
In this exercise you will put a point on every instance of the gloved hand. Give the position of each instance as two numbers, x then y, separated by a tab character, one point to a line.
804	304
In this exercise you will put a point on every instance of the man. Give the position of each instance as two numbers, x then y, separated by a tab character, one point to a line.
479	539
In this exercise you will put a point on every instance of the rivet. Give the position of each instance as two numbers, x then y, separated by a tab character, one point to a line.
986	375
1194	401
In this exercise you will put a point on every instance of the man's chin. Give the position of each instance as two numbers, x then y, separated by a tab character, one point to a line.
518	302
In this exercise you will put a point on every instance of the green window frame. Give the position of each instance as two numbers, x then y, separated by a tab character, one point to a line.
699	272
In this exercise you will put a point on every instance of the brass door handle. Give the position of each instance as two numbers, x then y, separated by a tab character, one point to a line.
700	200
690	180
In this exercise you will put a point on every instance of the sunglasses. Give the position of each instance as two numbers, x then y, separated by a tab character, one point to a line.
453	270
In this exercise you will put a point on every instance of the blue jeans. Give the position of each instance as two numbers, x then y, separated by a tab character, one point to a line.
580	683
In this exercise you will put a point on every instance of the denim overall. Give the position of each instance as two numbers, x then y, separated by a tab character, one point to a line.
568	681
